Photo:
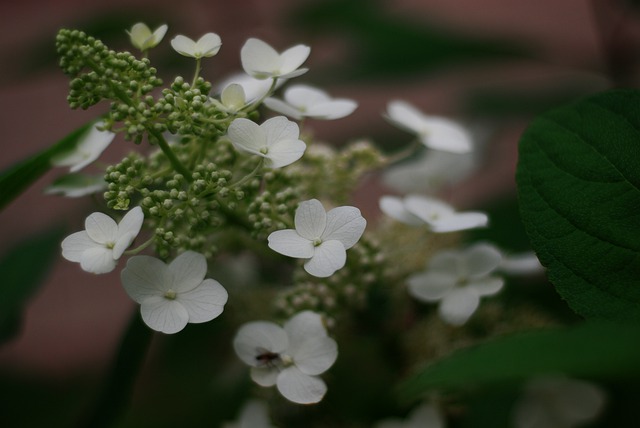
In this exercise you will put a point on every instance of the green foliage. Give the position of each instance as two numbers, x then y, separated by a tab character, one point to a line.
579	190
17	178
588	350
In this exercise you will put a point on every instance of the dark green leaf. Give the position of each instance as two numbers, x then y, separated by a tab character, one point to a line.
18	177
579	190
22	270
588	350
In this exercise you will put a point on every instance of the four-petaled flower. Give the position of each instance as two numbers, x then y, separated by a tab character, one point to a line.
305	101
170	296
416	210
100	245
291	357
434	132
206	46
142	37
320	237
261	61
276	140
457	279
88	149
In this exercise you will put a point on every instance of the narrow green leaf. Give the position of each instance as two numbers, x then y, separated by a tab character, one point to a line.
15	179
587	350
22	270
579	191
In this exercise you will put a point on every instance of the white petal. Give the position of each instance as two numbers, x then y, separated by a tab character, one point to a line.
131	222
314	355
289	243
280	128
139	34
328	258
205	302
208	45
481	259
335	109
285	152
344	224
158	35
264	376
310	219
233	96
184	46
447	135
123	242
293	58
75	244
164	315
144	277
259	59
291	75
425	416
406	116
394	208
101	228
428	209
254	338
458	306
87	150
305	96
304	325
247	135
486	286
430	286
188	271
281	107
300	388
460	221
447	262
97	260
254	414
521	264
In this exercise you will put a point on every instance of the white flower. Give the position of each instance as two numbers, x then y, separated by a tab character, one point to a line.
557	402
254	414
457	279
261	61
416	210
434	132
142	37
291	357
305	101
254	89
76	185
88	149
423	416
232	98
276	140
100	245
173	295
322	238
206	46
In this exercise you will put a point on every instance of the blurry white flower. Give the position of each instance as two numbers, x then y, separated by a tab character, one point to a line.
457	279
557	402
276	140
206	46
100	245
423	416
521	264
254	414
76	185
434	132
88	149
416	210
261	61
291	357
170	296
305	101
321	237
142	37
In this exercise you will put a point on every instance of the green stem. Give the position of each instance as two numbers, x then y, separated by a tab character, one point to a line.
141	247
254	105
196	73
173	159
403	154
116	395
248	176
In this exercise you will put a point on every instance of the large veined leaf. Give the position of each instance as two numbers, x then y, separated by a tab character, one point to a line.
589	350
579	191
15	179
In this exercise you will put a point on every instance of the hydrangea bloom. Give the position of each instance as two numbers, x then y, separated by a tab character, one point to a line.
320	237
87	150
276	140
416	210
434	132
423	416
170	296
206	46
142	38
557	402
254	414
232	98
457	279
100	245
305	101
261	61
290	357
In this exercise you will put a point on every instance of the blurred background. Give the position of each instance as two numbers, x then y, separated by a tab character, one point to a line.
493	64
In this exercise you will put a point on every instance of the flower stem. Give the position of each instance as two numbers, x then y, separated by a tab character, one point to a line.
173	159
196	73
248	176
115	397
